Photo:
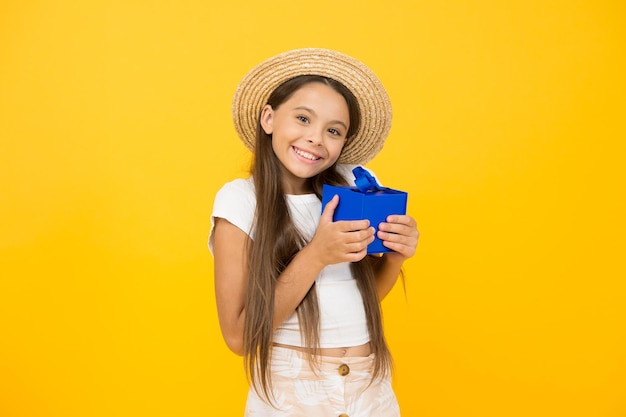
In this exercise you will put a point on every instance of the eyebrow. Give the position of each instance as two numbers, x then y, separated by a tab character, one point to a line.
310	110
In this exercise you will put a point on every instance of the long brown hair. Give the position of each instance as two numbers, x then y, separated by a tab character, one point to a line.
277	241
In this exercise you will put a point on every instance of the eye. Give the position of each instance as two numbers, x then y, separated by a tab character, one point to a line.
334	132
303	119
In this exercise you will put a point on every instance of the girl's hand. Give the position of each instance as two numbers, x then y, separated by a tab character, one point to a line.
399	234
340	241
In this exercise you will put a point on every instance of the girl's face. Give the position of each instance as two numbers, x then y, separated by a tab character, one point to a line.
308	132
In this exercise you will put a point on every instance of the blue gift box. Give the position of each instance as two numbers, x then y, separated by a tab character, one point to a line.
366	200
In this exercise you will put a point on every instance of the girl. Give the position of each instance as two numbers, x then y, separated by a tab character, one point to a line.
297	295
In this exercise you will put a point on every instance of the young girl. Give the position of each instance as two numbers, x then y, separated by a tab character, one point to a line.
297	295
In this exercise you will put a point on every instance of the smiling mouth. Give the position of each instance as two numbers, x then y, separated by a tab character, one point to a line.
306	155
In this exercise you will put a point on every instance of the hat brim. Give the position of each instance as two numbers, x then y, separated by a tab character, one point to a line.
374	104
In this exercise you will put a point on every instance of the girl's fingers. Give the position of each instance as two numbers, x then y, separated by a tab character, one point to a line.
397	238
401	219
399	234
399	224
329	210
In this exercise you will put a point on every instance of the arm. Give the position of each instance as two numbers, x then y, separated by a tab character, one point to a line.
334	242
230	270
400	234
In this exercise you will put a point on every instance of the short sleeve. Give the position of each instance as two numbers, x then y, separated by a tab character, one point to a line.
235	202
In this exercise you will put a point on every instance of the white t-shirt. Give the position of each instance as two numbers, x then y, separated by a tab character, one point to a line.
342	315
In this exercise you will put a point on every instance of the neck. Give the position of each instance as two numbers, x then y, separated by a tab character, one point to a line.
297	186
293	184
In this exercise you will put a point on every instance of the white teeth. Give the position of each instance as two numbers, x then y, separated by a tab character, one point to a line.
306	154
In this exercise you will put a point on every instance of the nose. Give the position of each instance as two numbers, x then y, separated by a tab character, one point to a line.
315	137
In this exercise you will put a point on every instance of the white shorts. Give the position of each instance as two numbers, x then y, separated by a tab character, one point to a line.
338	389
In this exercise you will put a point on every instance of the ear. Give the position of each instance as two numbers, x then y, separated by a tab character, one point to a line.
267	119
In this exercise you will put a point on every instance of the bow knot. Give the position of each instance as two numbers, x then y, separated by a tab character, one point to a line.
364	181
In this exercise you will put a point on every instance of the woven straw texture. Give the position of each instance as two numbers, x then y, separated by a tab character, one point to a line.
374	104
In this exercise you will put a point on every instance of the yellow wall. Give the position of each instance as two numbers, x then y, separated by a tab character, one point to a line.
508	135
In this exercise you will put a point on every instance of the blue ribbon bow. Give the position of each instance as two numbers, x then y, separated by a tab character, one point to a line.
364	181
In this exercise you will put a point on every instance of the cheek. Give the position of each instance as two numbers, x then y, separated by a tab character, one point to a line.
335	148
286	132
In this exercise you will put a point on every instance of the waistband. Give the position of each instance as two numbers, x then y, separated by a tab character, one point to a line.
290	362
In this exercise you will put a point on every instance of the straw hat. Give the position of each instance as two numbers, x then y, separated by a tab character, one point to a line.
374	104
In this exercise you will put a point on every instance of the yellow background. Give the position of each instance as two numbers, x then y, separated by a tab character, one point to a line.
508	134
